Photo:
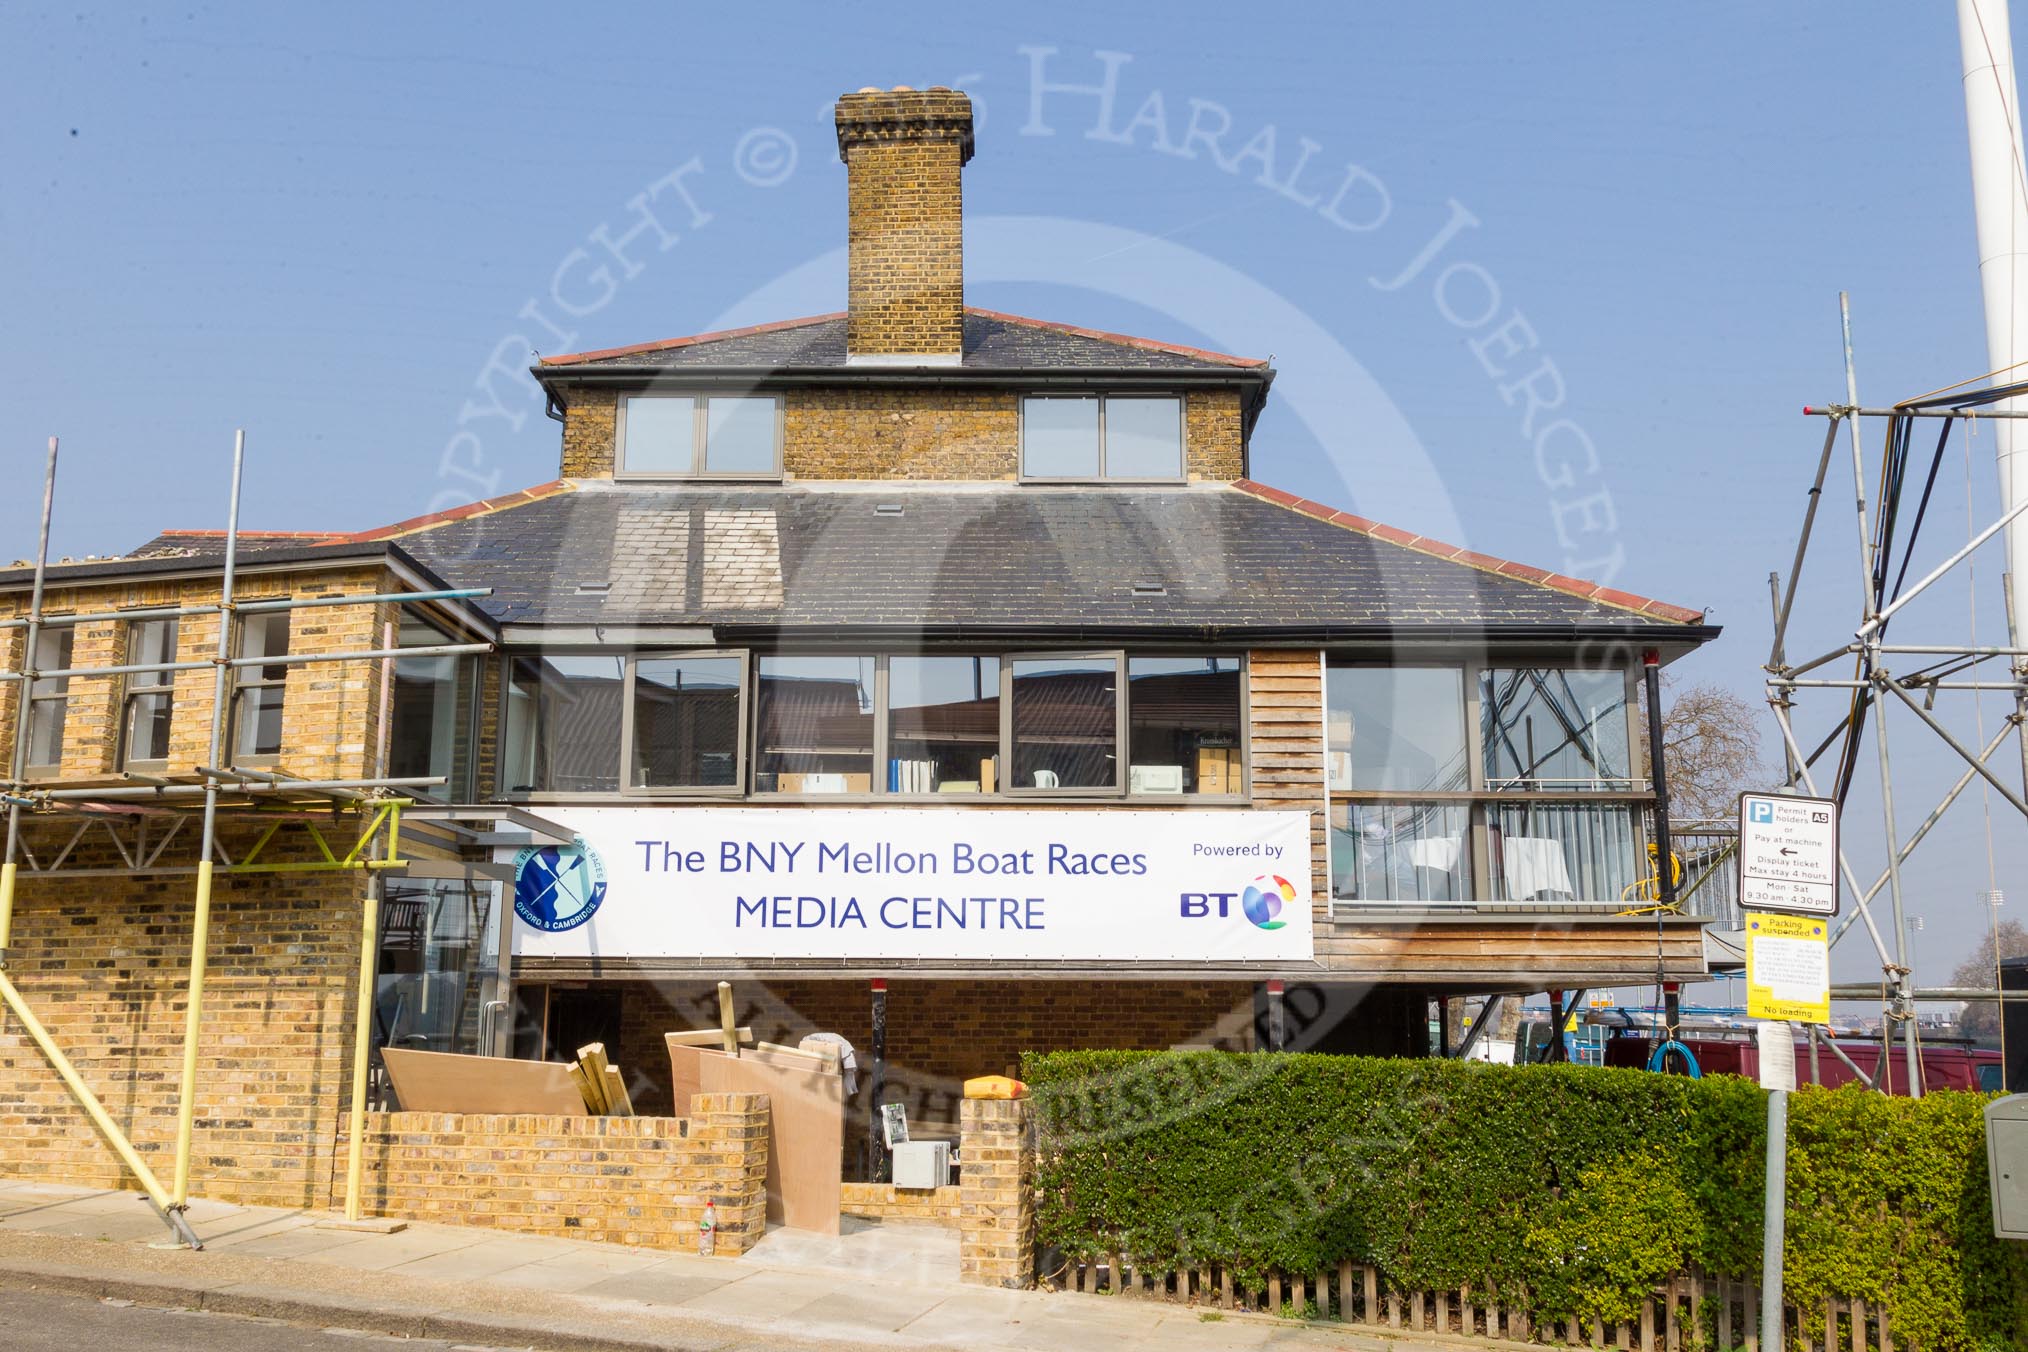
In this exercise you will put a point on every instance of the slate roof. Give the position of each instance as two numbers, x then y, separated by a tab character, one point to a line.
993	342
1054	561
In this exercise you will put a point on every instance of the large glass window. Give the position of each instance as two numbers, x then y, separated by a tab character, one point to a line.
814	725
1554	728
561	727
1065	723
434	704
943	724
1405	851
1102	437
681	435
1183	725
1397	728
49	698
909	725
257	698
685	723
150	698
1553	817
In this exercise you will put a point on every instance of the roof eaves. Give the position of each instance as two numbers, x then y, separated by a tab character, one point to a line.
1487	563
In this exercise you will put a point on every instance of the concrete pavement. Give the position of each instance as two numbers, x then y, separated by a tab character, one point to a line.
875	1285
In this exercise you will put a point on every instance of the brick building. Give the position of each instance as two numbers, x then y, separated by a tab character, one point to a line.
918	647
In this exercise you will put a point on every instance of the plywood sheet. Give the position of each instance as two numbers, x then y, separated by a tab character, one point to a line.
443	1082
806	1124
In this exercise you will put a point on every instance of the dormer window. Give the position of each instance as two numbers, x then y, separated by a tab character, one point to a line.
1080	438
694	436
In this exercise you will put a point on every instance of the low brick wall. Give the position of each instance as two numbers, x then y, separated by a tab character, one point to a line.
885	1202
996	1229
626	1180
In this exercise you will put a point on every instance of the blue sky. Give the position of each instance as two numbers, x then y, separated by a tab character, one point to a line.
344	228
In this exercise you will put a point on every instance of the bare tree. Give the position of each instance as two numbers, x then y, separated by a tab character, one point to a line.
1711	744
1981	1018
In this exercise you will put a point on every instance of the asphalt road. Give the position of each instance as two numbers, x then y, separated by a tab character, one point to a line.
36	1321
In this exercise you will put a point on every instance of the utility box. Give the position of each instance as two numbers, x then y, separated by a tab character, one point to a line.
2007	1163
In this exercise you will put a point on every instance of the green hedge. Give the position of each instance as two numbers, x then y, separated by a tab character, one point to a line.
1580	1186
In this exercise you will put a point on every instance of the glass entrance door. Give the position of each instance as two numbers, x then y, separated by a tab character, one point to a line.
443	972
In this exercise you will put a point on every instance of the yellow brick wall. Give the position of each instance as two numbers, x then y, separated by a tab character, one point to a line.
625	1180
103	963
588	434
885	1202
996	1236
839	432
330	720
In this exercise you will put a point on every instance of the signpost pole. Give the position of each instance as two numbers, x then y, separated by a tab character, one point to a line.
1773	1221
878	1086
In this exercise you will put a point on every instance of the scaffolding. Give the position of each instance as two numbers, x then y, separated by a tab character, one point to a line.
1883	674
144	814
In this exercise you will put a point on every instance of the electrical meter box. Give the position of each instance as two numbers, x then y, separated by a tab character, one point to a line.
2007	1162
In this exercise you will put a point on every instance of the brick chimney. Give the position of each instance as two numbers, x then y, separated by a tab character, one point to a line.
903	149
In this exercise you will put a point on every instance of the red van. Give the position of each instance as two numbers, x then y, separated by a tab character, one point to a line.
1945	1065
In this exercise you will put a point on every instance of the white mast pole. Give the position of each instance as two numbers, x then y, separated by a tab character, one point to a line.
2000	208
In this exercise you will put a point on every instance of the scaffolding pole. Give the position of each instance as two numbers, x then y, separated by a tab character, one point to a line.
23	701
200	918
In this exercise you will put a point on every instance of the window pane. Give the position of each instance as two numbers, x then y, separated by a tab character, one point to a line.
52	653
1563	851
1183	724
1059	438
1065	723
1555	729
151	641
432	723
258	720
264	635
943	724
1144	438
1397	728
49	697
568	740
661	436
814	725
1401	852
686	722
739	436
148	727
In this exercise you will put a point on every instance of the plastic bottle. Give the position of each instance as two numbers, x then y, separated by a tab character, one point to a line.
707	1231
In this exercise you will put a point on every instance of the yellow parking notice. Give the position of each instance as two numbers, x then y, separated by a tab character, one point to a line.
1788	968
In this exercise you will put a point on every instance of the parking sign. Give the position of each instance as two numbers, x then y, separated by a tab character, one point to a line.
1788	854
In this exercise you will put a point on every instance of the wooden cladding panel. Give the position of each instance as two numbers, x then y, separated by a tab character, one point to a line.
1285	706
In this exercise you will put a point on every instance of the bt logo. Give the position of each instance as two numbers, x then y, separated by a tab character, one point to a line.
1261	901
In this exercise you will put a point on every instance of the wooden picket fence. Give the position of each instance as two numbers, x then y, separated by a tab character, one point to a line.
1684	1315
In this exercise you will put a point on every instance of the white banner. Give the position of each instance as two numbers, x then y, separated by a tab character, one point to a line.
923	883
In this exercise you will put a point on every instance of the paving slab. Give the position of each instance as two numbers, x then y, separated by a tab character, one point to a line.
302	1241
766	1296
659	1284
486	1260
379	1253
866	1309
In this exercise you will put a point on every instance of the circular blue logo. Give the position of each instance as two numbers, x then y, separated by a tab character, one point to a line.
558	887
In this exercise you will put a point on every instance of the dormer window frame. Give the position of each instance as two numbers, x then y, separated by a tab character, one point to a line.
699	398
1105	398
